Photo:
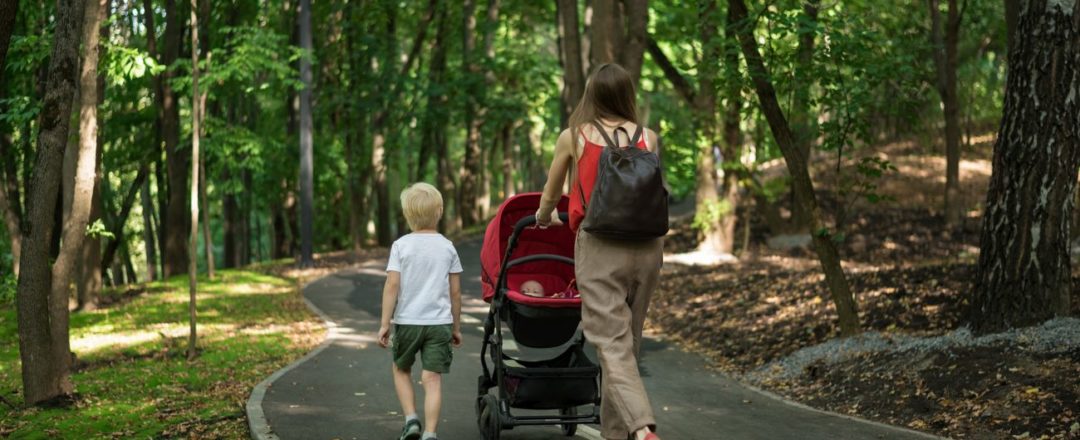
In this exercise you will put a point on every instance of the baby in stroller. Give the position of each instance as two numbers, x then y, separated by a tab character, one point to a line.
533	288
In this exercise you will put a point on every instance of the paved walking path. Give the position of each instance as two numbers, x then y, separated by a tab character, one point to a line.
345	391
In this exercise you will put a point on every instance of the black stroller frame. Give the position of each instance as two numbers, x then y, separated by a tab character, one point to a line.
565	382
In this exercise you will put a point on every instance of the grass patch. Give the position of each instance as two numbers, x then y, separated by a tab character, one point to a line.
132	377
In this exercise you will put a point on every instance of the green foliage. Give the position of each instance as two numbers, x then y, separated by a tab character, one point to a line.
97	229
714	212
8	285
123	63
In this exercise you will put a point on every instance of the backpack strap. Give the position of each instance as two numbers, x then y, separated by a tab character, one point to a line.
603	133
637	137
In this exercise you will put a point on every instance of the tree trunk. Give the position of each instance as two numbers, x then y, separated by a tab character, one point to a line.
508	161
607	32
1012	15
307	186
88	254
796	164
9	199
715	215
9	9
148	231
637	30
117	225
208	239
1023	275
45	375
196	133
471	168
570	55
801	118
178	157
945	60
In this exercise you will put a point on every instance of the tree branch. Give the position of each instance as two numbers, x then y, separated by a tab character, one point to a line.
677	79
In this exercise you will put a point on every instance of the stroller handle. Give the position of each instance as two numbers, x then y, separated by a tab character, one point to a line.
531	220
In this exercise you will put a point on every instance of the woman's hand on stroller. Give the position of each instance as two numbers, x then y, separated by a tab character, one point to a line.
456	337
550	219
384	336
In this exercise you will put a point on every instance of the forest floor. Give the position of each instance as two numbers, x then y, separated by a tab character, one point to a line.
132	377
767	318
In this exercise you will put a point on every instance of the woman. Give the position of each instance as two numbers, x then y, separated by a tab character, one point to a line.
616	278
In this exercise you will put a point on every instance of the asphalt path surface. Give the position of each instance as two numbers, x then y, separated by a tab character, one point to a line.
346	390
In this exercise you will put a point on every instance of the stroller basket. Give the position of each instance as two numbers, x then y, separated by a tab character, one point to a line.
558	325
568	380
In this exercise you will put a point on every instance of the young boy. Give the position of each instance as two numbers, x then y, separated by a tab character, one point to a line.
423	294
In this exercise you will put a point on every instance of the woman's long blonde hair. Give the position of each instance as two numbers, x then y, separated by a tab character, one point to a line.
609	94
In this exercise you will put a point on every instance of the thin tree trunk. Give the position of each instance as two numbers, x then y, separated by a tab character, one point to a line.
570	55
945	60
208	240
196	133
1023	275
42	318
796	164
801	118
117	225
9	9
178	157
637	30
470	170
508	161
9	201
148	231
307	191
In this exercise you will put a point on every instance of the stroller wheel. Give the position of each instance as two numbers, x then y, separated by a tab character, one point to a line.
568	429
488	417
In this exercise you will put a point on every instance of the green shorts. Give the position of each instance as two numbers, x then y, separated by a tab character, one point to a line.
431	341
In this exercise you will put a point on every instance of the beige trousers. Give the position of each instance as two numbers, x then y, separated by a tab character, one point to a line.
616	280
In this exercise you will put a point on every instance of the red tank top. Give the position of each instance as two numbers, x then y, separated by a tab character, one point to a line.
587	165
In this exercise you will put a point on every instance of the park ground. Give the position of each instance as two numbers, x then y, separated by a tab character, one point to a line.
765	320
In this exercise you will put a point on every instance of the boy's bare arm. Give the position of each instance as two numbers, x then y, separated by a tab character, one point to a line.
389	301
455	305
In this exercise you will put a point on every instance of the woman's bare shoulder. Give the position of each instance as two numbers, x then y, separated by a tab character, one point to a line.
653	139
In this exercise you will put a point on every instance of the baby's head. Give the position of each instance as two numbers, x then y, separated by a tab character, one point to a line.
532	288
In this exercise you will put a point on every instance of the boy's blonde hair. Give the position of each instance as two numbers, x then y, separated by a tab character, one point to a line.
422	205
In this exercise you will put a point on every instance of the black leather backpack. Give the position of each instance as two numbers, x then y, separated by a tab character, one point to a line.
629	200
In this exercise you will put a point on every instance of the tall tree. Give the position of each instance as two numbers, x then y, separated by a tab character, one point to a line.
472	182
945	62
1023	274
715	214
619	33
178	158
307	185
570	57
46	377
196	121
9	9
802	120
92	84
797	166
149	240
9	206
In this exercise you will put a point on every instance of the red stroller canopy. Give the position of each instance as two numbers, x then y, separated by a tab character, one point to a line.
554	240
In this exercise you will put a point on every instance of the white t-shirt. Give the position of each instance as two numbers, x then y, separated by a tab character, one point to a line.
425	262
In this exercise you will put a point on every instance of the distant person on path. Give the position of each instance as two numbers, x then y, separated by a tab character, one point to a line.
423	296
616	278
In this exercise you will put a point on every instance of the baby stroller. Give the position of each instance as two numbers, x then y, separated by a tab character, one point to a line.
515	252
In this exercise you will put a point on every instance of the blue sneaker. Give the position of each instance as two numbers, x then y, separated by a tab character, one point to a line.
411	431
